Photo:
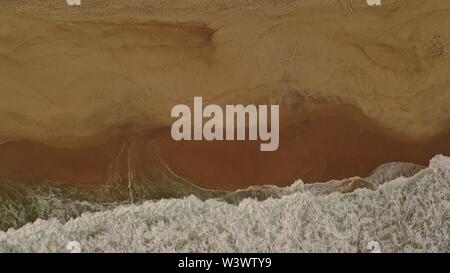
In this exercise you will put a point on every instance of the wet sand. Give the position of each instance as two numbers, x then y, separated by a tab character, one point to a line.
331	143
316	149
87	166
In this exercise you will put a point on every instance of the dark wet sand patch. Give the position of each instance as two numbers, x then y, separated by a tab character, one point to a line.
322	145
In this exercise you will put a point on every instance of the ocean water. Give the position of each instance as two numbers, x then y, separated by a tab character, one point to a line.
403	207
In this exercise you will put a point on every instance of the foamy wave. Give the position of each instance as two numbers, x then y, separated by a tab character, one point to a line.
405	214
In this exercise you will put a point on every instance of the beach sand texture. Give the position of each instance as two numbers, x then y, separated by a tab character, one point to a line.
87	90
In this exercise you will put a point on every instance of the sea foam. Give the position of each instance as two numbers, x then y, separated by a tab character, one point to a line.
406	214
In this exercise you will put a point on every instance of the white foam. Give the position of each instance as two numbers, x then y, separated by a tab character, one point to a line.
407	214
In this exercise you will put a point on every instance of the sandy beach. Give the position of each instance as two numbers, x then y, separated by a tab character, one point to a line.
81	84
88	161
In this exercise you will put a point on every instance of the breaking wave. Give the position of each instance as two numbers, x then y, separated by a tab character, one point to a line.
402	206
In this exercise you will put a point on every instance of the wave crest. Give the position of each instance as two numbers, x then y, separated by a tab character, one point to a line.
405	214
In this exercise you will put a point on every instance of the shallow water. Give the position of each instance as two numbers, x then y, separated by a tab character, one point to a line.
409	213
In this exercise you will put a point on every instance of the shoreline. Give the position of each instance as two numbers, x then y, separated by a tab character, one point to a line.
315	146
